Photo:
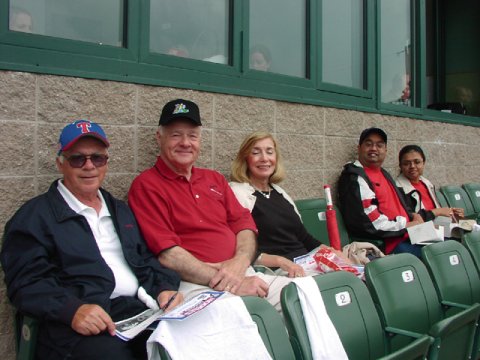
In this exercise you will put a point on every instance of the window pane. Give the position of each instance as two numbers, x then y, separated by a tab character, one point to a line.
343	42
396	42
453	56
198	29
94	21
278	36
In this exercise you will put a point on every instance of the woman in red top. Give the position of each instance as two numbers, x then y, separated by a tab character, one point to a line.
420	192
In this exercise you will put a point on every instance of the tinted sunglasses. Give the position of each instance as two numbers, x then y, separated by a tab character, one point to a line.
78	161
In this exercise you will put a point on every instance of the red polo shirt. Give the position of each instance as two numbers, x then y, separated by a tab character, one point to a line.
202	215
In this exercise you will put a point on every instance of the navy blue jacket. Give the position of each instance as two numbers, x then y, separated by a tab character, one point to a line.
52	264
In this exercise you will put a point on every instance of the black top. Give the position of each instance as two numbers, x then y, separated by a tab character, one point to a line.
280	230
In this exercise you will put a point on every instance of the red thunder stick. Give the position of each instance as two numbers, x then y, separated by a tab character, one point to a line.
331	215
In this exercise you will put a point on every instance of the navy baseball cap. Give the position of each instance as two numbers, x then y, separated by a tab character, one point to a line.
373	130
180	109
77	130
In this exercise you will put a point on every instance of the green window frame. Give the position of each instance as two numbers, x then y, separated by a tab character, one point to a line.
135	63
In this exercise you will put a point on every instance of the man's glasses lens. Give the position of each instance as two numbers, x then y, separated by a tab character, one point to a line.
78	161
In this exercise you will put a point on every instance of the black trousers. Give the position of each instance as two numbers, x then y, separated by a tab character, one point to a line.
96	347
100	347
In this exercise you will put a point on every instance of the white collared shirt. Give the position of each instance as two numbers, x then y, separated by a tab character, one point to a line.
107	240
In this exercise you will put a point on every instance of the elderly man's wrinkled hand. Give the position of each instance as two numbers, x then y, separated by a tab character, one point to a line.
230	275
91	319
254	286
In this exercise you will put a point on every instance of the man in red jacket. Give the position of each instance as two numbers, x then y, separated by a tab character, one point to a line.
371	204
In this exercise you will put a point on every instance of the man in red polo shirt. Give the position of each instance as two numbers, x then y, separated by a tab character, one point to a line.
371	204
191	219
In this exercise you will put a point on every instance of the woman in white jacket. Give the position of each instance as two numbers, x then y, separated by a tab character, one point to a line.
419	191
255	173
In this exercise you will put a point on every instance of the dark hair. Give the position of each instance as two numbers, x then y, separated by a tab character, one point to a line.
373	130
410	148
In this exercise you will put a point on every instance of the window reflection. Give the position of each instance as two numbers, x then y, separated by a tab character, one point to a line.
94	21
278	36
197	29
343	42
395	43
20	20
260	58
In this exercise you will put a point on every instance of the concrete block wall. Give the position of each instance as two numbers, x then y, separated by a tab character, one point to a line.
315	141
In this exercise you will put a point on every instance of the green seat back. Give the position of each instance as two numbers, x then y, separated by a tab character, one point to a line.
453	272
406	298
473	192
441	199
455	276
457	197
312	212
270	326
26	329
472	243
351	309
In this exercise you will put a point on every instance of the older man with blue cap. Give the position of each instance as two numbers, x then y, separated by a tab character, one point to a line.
74	258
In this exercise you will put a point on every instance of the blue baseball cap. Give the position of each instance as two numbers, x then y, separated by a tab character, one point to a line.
77	130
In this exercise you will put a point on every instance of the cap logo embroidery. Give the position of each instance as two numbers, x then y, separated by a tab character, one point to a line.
180	109
85	127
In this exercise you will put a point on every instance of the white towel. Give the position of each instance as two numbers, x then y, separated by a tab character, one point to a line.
324	340
223	330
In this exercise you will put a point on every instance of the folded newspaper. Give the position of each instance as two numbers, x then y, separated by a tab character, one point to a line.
307	261
129	328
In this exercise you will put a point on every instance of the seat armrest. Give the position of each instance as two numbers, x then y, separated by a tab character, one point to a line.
415	350
456	321
392	331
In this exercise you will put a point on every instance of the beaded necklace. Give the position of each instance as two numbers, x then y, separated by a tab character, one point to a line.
266	194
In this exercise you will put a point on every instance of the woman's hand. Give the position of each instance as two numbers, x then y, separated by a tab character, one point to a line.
458	212
446	211
290	267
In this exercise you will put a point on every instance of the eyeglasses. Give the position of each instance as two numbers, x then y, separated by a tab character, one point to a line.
78	161
371	144
415	162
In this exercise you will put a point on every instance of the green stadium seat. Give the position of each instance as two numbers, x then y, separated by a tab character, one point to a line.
351	309
441	199
457	197
455	277
471	241
312	212
406	299
26	330
454	273
270	326
473	192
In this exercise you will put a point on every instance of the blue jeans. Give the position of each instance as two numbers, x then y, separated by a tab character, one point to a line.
406	247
